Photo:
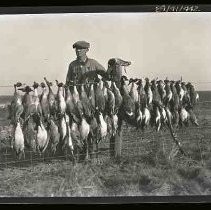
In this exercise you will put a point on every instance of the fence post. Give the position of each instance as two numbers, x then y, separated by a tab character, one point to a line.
118	140
118	144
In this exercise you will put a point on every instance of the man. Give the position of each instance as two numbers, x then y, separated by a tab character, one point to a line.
82	64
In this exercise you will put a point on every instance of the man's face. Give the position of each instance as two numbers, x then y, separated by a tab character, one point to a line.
81	52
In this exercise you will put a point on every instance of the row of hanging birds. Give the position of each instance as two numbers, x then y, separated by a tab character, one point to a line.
82	114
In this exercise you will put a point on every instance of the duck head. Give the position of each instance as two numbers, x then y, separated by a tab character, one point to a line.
26	89
18	84
59	84
42	85
131	80
48	83
147	80
139	82
35	85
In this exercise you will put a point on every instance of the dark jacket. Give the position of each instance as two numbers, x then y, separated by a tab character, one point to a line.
77	69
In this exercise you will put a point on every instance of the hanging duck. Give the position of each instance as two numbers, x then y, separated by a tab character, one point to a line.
71	109
44	102
76	136
91	97
133	90
77	103
128	104
110	105
61	104
174	104
68	142
169	94
103	130
36	100
54	135
148	92
27	102
84	129
18	140
42	137
30	134
16	107
117	96
51	98
85	103
100	100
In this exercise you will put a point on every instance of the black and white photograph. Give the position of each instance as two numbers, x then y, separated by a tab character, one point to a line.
105	104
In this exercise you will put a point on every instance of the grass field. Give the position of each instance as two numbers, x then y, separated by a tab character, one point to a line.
144	168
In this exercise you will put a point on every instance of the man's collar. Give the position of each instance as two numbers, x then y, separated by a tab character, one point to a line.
82	62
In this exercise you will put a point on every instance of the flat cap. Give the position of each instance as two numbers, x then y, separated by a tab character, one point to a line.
81	45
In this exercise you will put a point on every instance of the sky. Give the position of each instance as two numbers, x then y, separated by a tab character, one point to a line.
157	44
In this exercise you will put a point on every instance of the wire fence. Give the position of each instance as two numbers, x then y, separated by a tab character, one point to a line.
136	143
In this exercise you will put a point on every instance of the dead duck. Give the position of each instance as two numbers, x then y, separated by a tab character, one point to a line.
180	90
85	102
138	116
104	89
61	104
36	99
133	90
148	91
117	96
192	115
68	142
42	137
174	104
51	98
169	116
78	107
128	104
168	92
163	117
84	129
30	134
91	97
141	94
114	118
75	134
54	135
62	129
161	90
100	101
157	105
103	129
157	119
27	101
16	107
44	102
186	98
193	94
18	140
146	117
156	98
110	105
70	106
183	116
